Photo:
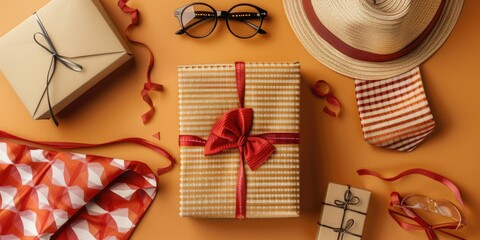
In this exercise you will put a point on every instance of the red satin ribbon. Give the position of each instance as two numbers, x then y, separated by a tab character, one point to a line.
240	77
396	199
149	85
273	138
232	130
71	145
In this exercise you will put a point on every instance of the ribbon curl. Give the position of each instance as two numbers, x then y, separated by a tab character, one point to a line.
149	85
53	63
321	89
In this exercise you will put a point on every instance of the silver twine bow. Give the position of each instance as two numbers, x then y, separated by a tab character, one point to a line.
51	70
342	230
348	199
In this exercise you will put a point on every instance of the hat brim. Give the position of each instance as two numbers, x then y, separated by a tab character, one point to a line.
365	70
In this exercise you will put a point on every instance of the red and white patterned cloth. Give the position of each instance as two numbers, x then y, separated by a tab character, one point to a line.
48	194
394	112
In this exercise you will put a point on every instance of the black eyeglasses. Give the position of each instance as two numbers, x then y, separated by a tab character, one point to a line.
198	20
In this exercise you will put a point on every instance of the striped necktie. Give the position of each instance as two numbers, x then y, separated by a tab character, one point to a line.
394	112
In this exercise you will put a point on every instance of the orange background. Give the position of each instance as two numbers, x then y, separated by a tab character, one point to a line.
332	149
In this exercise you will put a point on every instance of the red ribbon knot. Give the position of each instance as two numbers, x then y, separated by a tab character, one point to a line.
241	141
232	130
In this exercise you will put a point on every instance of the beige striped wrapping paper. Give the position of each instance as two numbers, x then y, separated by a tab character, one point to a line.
208	183
394	112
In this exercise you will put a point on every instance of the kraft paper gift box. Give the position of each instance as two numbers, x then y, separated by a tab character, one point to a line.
344	212
208	183
81	32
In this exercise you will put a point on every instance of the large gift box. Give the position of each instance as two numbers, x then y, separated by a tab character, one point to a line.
72	44
344	212
239	138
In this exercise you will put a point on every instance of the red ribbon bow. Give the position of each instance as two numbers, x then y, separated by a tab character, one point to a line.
231	131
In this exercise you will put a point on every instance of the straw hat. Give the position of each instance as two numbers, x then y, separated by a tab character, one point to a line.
368	39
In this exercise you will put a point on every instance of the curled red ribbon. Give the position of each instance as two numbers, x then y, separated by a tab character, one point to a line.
321	89
396	199
232	130
149	85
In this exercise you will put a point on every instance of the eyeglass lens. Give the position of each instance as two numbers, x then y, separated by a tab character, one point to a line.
244	21
198	20
441	207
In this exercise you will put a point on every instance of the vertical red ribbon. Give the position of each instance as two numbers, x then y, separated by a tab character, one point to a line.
240	79
241	195
149	85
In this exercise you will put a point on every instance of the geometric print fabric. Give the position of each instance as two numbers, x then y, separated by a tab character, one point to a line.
48	194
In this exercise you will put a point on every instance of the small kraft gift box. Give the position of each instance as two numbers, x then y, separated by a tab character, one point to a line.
344	212
239	136
59	52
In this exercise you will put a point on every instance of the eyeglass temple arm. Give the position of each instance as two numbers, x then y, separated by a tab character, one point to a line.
244	16
260	31
201	18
